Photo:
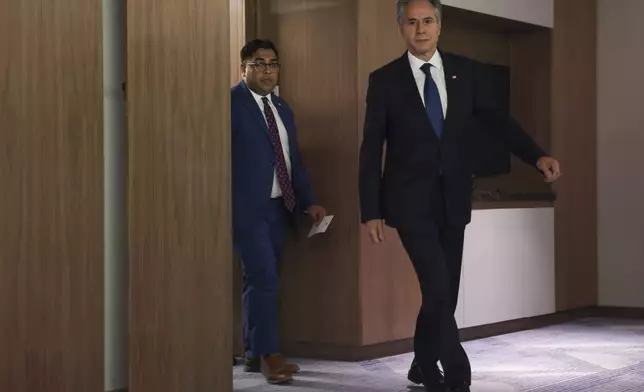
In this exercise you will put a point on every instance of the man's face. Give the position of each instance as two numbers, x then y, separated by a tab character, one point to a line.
420	28
261	71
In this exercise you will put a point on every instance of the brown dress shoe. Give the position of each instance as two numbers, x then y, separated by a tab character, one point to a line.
272	369
287	367
252	365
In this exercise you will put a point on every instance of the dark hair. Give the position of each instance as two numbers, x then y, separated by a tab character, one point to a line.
253	46
403	4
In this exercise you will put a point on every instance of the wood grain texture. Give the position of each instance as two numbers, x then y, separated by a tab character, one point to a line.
389	292
251	8
531	89
178	75
237	37
318	80
51	203
574	139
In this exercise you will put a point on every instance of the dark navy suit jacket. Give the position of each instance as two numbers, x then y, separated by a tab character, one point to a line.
424	176
253	159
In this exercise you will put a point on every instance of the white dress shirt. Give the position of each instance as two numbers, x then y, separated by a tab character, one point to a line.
277	191
437	72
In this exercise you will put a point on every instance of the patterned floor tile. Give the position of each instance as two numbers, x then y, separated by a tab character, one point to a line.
590	355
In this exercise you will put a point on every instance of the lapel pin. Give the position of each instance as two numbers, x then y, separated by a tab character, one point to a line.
453	76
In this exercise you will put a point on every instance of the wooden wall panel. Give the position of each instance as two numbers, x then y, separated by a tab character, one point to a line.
389	292
531	89
178	75
251	8
466	35
237	37
318	80
531	97
574	140
51	202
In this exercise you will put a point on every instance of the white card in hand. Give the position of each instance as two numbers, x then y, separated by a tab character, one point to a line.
321	228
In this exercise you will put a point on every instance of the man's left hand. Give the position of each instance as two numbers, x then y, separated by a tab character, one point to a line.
550	168
317	213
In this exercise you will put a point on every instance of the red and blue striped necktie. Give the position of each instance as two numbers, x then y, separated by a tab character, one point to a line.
281	170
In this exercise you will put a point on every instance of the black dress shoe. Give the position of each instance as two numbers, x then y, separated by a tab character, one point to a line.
431	377
414	374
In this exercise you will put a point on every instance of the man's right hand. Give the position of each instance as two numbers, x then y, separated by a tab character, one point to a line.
376	229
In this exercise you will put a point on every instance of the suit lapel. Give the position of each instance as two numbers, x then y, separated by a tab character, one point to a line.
410	90
286	120
253	107
409	84
282	113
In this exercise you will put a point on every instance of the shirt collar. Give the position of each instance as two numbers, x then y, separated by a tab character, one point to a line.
416	63
258	98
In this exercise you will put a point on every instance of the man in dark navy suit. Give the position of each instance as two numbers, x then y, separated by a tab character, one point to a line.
270	187
427	107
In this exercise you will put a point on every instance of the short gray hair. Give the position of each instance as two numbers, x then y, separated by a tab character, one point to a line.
403	4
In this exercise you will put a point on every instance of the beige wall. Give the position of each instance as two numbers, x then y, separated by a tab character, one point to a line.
620	152
538	12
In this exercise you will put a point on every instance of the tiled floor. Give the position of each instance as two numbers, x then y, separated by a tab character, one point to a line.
591	355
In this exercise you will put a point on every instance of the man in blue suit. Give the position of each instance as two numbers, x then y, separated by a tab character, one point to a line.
270	187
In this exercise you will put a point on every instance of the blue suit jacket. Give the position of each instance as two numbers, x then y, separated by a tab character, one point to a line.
253	158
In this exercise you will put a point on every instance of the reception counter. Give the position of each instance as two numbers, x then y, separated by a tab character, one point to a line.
508	266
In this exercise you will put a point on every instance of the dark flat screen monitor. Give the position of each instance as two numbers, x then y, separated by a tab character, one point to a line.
490	155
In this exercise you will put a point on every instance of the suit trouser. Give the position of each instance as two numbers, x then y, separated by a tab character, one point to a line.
260	248
436	251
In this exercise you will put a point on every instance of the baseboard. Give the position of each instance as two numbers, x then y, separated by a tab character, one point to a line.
619	312
349	353
524	324
336	352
